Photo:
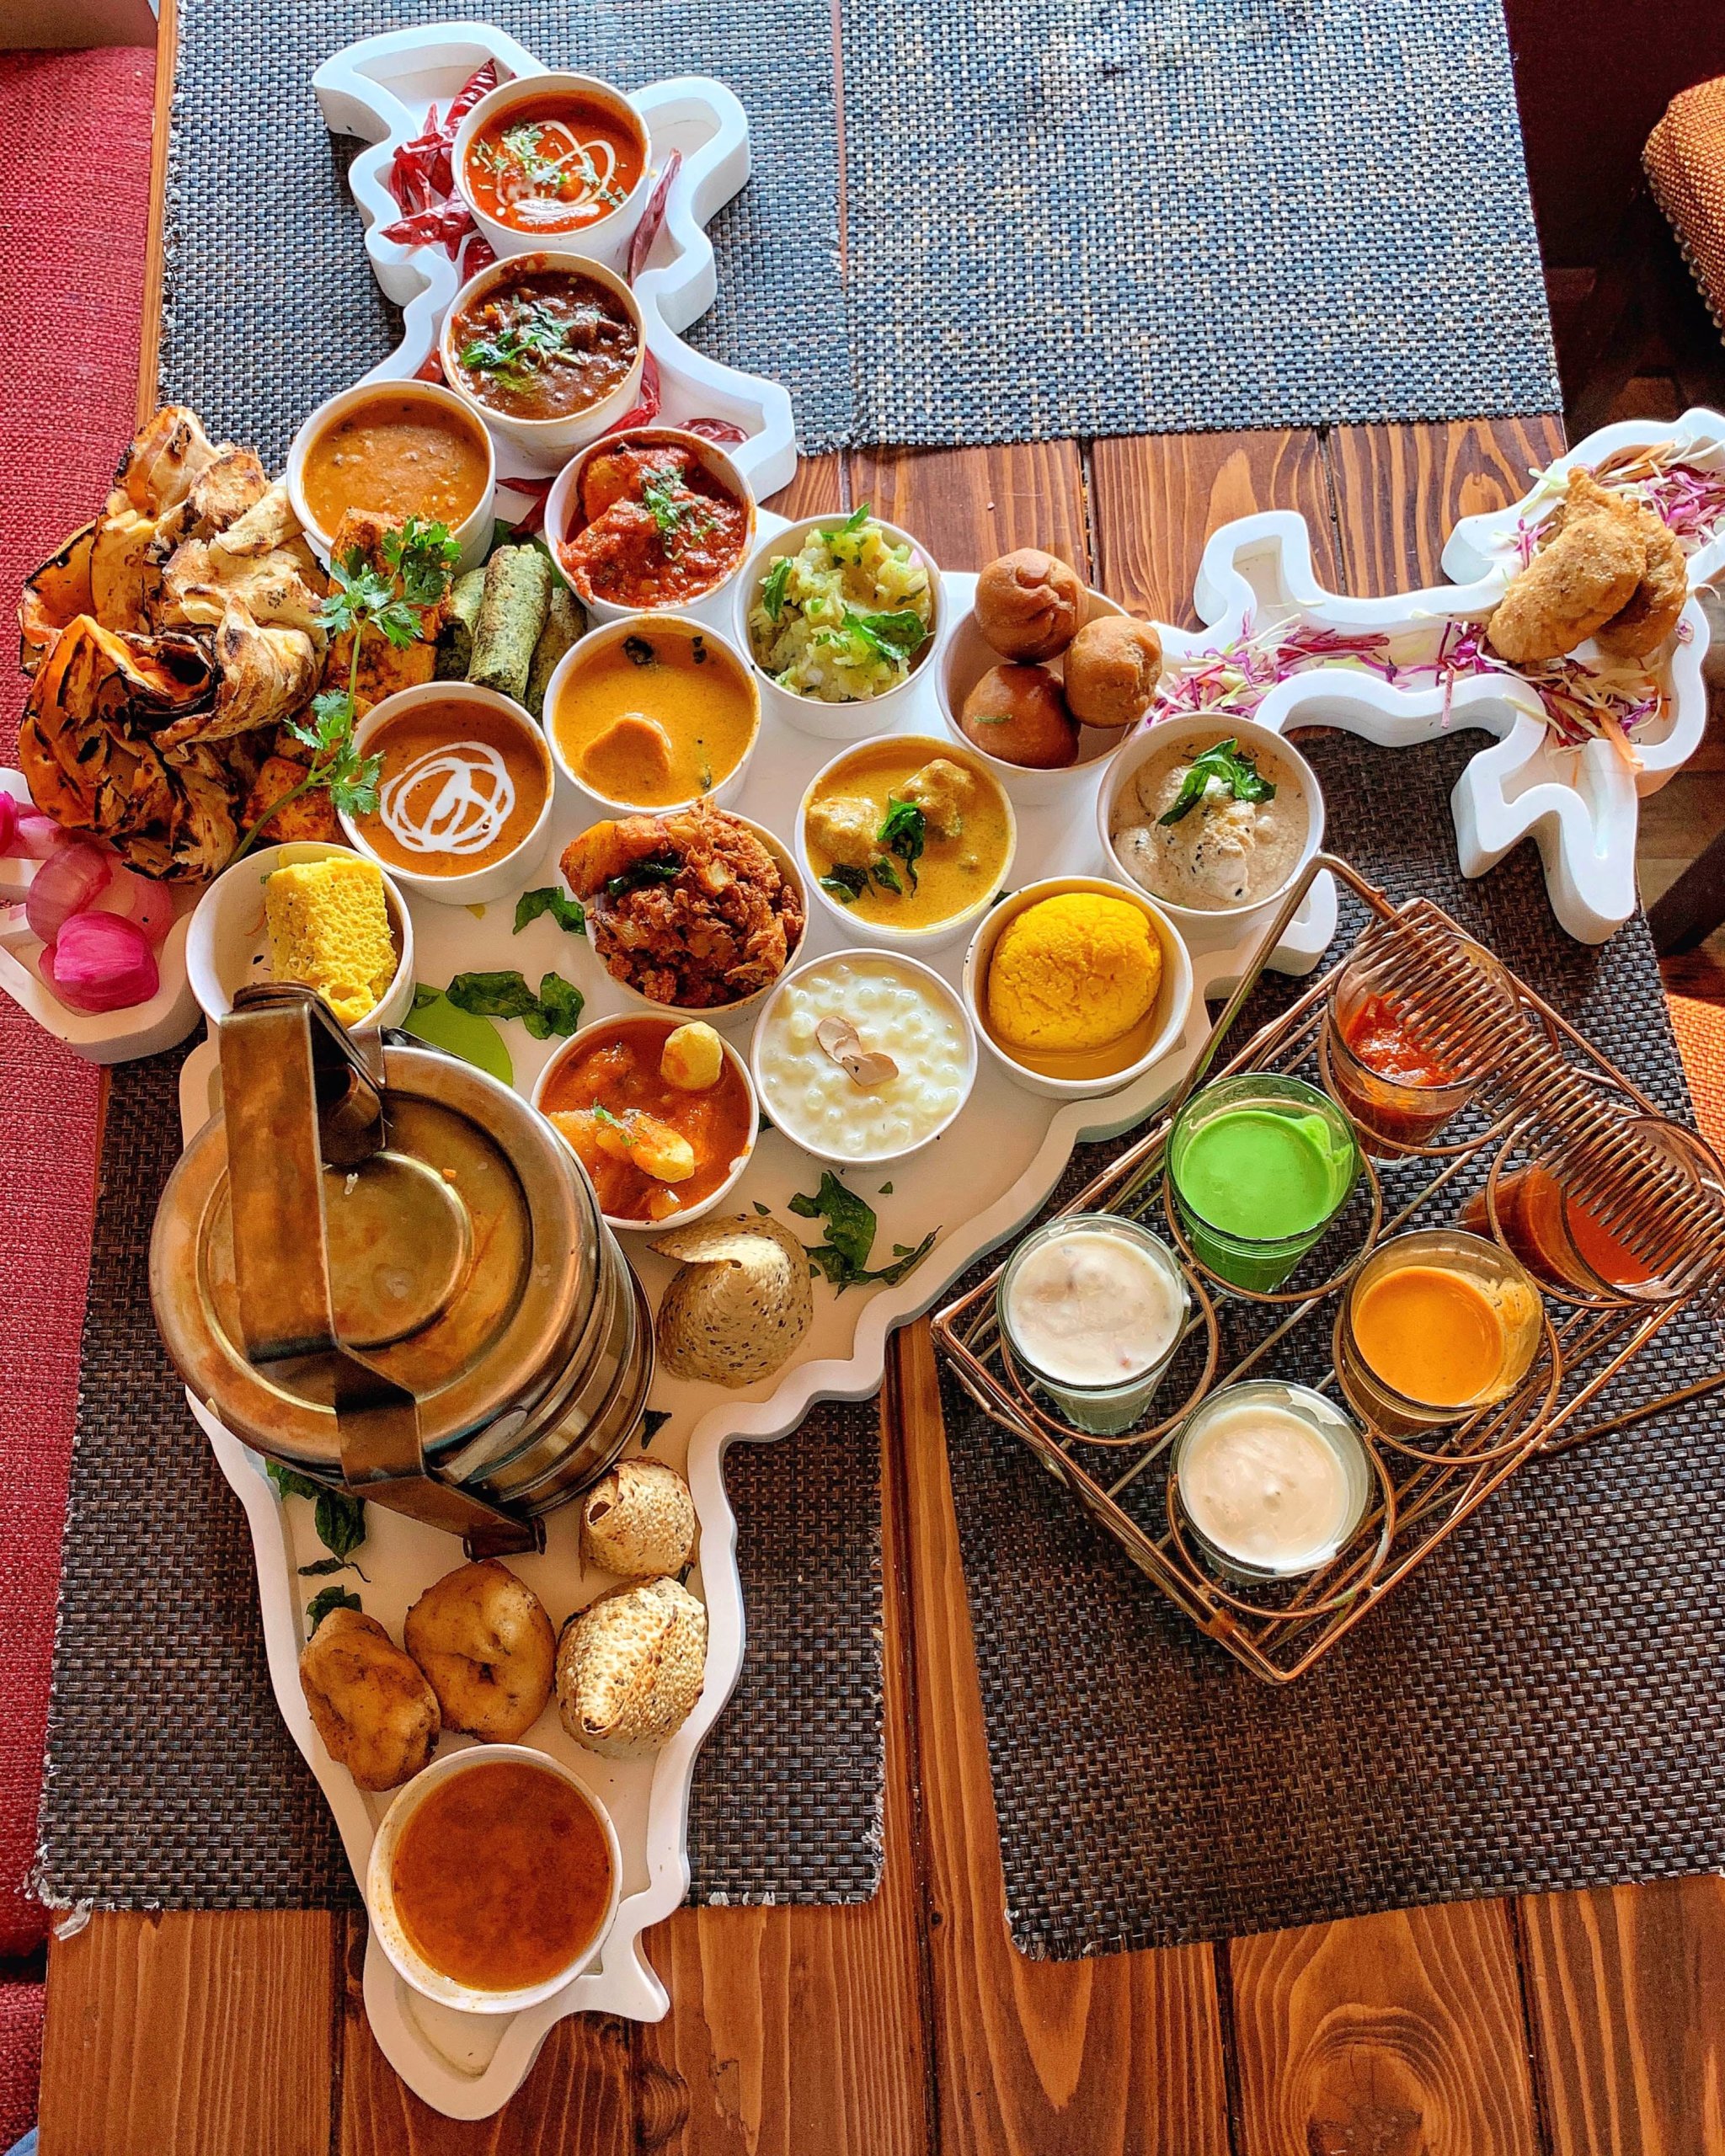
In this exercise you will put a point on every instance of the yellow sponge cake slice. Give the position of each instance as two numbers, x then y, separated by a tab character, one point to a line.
329	926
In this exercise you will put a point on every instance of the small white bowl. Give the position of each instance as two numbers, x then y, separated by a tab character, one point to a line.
724	1014
380	1894
618	631
606	239
1267	746
940	934
563	519
851	722
897	962
568	1049
969	655
1173	996
546	441
473	535
227	945
475	886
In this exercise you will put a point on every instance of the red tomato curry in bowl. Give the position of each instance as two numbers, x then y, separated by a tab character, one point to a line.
655	519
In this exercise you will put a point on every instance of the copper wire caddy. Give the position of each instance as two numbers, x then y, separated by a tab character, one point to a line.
1427	1485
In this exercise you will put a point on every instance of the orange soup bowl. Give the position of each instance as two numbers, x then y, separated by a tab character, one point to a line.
566	518
722	1122
465	762
458	1873
579	214
389	432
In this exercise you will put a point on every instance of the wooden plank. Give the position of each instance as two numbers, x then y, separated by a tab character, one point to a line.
819	485
1400	490
1398	2034
205	2035
150	339
1624	1987
798	2031
1102	2057
578	2096
1155	499
970	505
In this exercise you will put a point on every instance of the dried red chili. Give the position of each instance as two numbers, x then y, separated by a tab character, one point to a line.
652	217
725	432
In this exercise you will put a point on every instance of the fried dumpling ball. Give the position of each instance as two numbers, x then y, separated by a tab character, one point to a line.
485	1643
369	1701
1018	714
1575	584
1029	604
1112	668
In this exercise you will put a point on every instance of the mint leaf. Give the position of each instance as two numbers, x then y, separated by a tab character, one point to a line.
326	1599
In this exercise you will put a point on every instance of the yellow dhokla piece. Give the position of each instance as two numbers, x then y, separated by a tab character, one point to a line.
1075	972
328	927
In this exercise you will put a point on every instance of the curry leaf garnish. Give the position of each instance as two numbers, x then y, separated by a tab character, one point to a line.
555	1008
1225	762
892	637
904	831
569	914
393	597
326	1599
655	868
851	1223
845	883
886	876
341	1519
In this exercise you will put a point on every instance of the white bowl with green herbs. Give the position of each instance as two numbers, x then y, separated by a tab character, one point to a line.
839	614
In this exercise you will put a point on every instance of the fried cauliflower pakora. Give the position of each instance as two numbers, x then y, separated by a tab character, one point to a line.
1578	580
689	909
485	1644
369	1701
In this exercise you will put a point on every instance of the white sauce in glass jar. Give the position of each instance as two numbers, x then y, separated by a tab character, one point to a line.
1265	1486
814	1101
1092	1308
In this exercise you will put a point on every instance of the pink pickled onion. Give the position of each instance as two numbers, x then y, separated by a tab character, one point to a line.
34	836
71	878
101	963
138	899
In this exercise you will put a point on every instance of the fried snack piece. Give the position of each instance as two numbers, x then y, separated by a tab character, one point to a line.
485	1644
1651	615
630	1667
1575	584
1112	666
369	1702
1029	604
310	816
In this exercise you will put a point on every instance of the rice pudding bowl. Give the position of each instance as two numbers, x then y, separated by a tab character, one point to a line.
853	1013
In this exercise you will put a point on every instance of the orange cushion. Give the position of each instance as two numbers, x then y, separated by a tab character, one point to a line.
1700	1029
1684	159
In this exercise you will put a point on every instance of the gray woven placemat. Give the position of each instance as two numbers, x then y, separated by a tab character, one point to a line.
271	305
1535	1707
171	1781
1177	215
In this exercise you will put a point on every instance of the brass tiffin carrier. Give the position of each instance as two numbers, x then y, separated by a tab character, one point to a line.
399	1284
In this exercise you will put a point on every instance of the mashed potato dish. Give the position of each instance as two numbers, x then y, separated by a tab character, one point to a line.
846	617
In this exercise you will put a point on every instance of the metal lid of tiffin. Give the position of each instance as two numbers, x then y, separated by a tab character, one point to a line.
360	1278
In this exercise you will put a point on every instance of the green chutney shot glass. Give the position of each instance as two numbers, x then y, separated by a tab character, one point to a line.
1260	1166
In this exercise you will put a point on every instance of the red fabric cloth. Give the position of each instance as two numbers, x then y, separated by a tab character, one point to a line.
71	261
20	2059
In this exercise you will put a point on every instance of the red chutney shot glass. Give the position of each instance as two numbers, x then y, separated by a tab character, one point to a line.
1545	1218
1399	1093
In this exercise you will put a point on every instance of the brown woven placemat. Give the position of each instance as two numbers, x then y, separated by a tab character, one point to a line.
1535	1707
171	1781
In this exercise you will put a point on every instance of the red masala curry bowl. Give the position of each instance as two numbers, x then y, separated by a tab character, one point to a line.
655	519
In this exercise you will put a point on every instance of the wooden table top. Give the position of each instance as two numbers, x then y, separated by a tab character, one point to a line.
1568	2025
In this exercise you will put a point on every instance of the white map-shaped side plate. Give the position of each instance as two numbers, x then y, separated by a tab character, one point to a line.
1579	803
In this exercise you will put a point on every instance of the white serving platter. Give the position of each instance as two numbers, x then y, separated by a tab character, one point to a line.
1579	804
984	1178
